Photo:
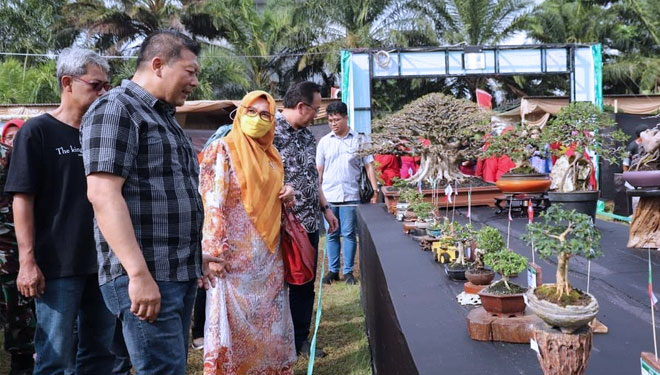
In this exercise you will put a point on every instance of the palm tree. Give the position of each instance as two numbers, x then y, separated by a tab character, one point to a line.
115	26
253	37
473	22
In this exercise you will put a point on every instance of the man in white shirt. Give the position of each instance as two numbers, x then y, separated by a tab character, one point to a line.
339	170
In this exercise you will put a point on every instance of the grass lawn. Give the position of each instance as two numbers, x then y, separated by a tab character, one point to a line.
341	335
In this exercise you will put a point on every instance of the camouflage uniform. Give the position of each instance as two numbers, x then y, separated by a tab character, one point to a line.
16	312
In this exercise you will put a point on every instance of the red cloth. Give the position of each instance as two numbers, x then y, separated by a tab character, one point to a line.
491	169
388	168
409	163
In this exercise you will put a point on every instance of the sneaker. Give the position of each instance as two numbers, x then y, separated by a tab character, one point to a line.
350	279
330	277
304	350
198	343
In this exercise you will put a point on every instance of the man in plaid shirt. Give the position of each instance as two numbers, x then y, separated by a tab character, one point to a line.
142	178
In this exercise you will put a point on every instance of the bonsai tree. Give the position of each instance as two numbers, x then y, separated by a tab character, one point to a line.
564	234
518	143
649	157
579	127
507	263
489	240
423	210
463	234
410	195
441	129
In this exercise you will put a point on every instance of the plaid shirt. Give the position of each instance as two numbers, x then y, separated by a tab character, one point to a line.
298	151
130	133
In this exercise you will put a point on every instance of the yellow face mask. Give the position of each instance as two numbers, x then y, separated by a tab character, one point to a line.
254	126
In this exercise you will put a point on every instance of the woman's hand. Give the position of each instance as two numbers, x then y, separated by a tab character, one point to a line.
211	267
287	195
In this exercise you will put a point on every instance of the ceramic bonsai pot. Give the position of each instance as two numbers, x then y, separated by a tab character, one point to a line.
502	305
581	201
643	179
457	273
524	183
568	318
479	277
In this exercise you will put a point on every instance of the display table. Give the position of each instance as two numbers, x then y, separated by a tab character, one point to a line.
645	225
415	325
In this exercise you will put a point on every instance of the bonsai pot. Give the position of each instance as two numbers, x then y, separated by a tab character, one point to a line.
479	277
643	179
581	201
502	305
568	318
434	232
455	273
524	183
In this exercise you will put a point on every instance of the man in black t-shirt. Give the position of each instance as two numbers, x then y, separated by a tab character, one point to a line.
54	226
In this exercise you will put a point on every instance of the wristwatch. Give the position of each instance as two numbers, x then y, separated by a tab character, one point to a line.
324	208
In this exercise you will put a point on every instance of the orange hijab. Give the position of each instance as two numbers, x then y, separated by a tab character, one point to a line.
260	172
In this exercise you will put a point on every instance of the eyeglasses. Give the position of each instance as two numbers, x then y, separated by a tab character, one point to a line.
96	85
264	115
317	110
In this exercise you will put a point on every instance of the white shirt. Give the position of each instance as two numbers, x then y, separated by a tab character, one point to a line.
341	167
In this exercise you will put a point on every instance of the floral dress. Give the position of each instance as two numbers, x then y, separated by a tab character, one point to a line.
248	322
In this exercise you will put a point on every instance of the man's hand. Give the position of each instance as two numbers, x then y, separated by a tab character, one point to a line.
287	195
374	198
212	267
333	223
145	297
30	281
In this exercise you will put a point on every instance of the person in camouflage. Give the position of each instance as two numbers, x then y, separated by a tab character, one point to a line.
16	312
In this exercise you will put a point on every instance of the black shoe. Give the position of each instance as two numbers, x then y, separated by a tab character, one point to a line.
330	277
350	279
304	350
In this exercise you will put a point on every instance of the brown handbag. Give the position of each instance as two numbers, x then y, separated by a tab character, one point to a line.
297	252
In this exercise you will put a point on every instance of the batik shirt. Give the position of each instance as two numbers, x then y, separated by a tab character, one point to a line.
298	151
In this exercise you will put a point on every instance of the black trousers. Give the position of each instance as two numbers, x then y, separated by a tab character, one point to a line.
301	300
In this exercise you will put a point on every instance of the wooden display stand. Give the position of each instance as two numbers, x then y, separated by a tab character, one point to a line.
646	219
563	353
482	326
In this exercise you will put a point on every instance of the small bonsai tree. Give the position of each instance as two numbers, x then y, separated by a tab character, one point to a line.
423	210
489	240
439	128
507	263
463	234
410	195
565	234
518	143
579	127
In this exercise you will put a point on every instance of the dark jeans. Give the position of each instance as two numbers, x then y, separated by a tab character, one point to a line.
64	300
199	314
160	347
122	365
301	300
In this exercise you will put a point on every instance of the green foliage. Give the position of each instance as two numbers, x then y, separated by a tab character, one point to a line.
464	233
410	195
423	210
36	84
562	231
506	262
399	183
490	240
517	142
582	124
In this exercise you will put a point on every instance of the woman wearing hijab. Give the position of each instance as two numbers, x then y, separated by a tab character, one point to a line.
9	130
248	323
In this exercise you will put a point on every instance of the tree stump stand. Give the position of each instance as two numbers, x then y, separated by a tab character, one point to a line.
562	353
649	364
646	219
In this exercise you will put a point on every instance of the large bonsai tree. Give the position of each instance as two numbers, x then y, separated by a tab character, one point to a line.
441	129
579	127
565	234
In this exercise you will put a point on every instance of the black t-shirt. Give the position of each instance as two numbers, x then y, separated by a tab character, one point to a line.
47	163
